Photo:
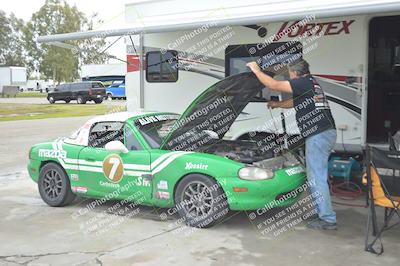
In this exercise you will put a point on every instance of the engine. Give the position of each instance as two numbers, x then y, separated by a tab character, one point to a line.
248	152
238	150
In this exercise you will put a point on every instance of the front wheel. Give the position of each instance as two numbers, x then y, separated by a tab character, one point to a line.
54	186
200	201
51	100
97	101
67	100
80	100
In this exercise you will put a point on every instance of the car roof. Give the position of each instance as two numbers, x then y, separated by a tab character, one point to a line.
82	134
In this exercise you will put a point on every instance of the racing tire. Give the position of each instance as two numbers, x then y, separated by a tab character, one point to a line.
80	100
97	101
200	201
54	186
51	100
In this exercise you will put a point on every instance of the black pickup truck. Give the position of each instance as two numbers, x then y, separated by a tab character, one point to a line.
79	91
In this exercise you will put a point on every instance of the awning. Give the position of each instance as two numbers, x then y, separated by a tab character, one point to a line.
234	13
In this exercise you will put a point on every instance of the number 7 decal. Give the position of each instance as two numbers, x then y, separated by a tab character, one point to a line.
113	168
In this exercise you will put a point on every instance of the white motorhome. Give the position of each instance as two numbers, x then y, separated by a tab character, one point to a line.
353	48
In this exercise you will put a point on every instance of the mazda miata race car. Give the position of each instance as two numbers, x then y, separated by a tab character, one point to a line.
166	160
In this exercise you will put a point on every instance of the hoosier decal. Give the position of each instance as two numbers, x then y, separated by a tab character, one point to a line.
200	166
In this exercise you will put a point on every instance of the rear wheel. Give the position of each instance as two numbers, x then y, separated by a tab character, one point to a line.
51	100
200	201
80	100
54	186
67	101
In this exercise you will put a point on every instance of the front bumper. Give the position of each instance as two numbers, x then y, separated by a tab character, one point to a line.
33	169
282	190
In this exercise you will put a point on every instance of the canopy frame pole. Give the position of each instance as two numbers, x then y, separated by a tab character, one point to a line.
141	70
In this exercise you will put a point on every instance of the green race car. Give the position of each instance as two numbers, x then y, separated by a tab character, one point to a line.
166	160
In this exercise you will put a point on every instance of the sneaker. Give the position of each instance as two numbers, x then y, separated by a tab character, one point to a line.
321	224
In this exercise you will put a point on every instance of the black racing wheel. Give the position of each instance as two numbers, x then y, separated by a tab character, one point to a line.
54	185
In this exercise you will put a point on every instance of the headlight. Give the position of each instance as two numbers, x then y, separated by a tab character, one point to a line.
30	153
255	173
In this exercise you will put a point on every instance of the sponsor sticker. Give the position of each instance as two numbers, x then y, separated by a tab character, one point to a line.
294	171
108	184
162	195
81	190
142	181
156	118
49	153
162	184
198	166
74	177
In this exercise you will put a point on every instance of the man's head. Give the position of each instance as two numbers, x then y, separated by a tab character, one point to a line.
298	68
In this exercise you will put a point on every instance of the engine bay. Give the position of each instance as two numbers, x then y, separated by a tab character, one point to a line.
238	150
249	153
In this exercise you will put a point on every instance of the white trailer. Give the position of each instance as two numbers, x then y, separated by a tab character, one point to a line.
12	76
93	71
353	48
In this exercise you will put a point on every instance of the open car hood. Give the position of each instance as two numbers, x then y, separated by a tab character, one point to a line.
212	113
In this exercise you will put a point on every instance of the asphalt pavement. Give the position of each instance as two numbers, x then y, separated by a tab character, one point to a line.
33	233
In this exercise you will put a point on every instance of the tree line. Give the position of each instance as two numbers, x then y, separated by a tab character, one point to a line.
18	46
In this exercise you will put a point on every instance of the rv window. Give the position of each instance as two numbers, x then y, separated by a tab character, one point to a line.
162	67
238	64
272	57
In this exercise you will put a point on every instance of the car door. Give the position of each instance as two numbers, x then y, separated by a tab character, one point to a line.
73	91
115	174
58	91
64	91
121	90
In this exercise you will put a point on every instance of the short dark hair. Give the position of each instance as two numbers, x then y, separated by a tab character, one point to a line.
300	66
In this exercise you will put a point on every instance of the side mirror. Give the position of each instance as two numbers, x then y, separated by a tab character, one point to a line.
116	146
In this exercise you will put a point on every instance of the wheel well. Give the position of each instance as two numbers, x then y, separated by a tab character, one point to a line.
184	176
50	161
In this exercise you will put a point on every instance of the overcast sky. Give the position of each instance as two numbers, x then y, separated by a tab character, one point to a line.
110	11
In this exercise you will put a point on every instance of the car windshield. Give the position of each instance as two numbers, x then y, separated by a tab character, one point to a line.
155	128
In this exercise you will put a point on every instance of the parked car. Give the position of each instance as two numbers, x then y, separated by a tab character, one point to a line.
150	158
116	90
80	91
